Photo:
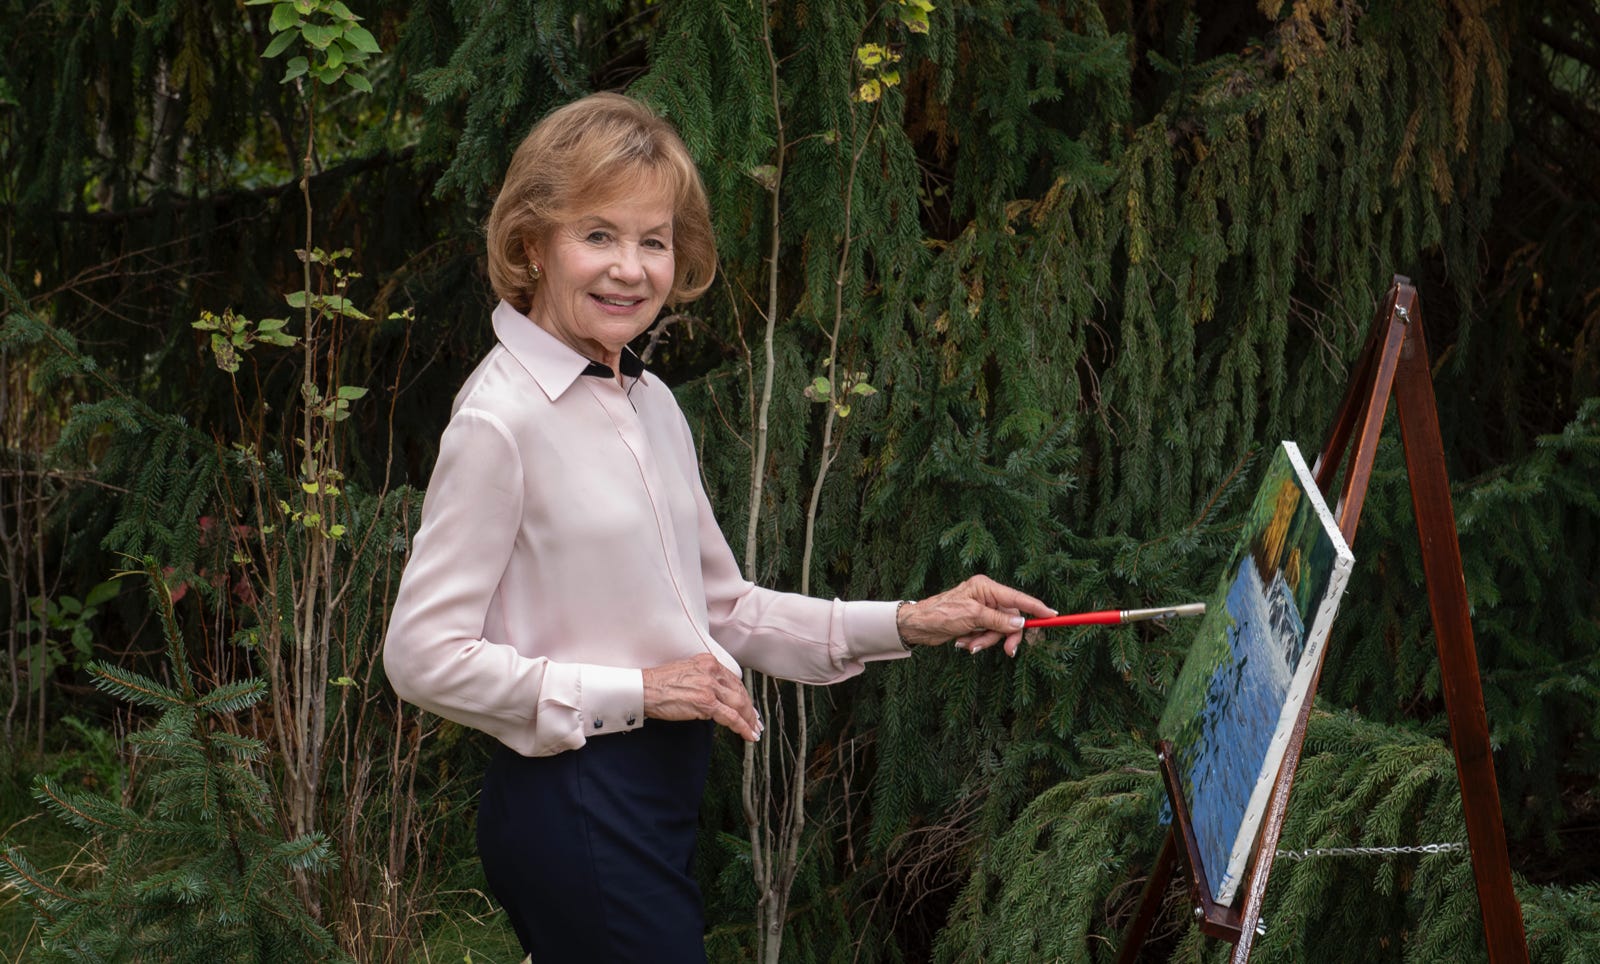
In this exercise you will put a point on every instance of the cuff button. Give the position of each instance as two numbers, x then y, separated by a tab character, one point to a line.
599	723
632	719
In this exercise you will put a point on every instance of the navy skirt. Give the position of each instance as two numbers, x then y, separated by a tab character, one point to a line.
591	851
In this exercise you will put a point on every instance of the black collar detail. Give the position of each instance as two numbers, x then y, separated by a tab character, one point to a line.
632	367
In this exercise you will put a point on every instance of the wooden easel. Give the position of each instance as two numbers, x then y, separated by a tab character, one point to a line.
1395	360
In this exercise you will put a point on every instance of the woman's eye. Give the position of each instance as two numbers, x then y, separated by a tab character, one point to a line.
596	237
656	243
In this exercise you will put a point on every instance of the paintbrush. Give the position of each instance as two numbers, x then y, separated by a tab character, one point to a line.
1115	617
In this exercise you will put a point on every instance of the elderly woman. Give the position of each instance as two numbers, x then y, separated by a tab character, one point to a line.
569	591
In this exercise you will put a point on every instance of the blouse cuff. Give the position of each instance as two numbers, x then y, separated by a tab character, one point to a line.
870	632
613	699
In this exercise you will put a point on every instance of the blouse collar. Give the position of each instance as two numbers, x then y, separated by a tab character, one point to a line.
551	362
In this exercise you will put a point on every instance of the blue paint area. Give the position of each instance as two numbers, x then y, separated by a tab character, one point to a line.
1244	701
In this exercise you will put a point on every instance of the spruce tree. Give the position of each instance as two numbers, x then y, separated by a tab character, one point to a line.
191	867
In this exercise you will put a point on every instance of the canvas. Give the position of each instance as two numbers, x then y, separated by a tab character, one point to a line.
1251	664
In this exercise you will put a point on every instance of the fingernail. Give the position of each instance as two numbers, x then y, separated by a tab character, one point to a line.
1016	622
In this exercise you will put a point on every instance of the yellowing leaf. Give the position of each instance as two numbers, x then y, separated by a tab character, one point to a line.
766	174
914	14
871	55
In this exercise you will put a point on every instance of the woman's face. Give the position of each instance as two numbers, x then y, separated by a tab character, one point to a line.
605	275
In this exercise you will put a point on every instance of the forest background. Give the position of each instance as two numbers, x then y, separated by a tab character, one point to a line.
1005	286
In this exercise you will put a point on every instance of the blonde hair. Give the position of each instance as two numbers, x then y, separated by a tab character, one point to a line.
590	152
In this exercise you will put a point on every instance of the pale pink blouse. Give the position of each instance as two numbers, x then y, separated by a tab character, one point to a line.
567	543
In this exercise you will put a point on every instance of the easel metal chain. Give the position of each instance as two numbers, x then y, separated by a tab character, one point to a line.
1309	852
1432	848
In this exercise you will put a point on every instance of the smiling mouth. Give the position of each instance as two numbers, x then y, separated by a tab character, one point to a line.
617	302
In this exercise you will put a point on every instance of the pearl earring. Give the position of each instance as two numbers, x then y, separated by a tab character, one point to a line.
534	271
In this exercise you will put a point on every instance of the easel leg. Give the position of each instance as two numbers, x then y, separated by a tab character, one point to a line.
1458	657
1155	890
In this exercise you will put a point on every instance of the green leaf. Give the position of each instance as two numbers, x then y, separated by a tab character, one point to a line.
341	11
306	7
319	36
343	681
352	392
283	17
362	84
279	44
336	530
310	488
296	67
270	324
335	56
342	305
296	299
862	388
362	39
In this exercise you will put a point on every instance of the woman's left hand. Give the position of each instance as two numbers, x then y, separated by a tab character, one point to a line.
977	614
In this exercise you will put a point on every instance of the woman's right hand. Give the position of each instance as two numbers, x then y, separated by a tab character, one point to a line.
700	688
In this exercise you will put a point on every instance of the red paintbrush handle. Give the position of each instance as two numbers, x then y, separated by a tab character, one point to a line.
1113	617
1106	617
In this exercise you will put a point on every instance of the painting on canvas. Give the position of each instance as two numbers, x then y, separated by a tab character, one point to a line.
1251	664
